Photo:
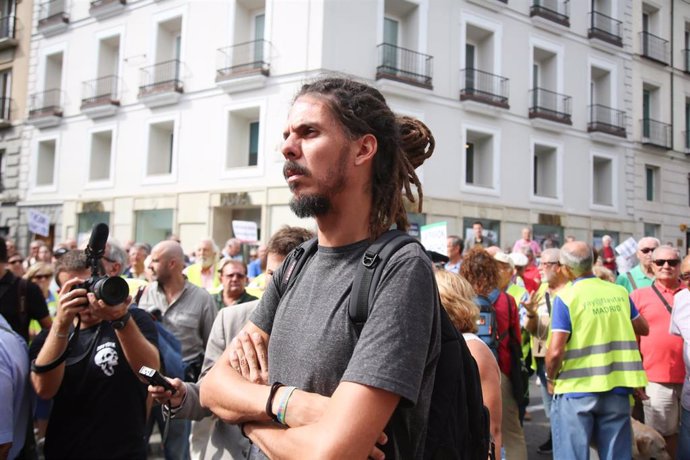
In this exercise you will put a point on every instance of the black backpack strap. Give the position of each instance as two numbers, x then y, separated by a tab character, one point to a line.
21	299
369	272
294	263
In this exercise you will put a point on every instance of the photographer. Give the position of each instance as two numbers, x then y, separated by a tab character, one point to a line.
99	403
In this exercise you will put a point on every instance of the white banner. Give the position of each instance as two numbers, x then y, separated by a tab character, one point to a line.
245	231
39	223
435	237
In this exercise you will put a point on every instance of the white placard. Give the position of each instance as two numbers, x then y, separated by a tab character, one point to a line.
245	231
435	237
39	223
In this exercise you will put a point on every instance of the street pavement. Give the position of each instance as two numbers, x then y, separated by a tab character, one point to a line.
537	429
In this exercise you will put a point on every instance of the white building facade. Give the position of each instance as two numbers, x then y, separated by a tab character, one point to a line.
166	116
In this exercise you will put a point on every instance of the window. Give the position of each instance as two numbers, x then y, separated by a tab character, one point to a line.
5	94
166	70
652	230
686	133
651	182
479	159
101	156
86	221
53	72
545	171
602	181
480	78
243	138
3	166
161	148
153	225
45	170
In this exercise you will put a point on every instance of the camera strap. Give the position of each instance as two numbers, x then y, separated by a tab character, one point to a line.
71	342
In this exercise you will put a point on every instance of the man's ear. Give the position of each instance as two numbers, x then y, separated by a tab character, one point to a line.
368	146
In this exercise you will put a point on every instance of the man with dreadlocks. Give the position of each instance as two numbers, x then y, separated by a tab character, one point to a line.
348	162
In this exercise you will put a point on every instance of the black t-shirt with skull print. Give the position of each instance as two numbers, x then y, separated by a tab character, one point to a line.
100	408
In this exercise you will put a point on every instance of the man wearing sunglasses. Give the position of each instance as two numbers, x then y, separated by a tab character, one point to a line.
680	325
662	353
642	275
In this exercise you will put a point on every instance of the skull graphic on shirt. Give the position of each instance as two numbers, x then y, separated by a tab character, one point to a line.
107	359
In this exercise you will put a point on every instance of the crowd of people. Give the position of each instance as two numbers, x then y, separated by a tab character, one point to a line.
261	358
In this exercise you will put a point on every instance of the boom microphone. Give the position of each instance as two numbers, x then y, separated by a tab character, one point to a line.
99	237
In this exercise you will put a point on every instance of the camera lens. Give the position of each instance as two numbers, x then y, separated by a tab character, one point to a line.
111	290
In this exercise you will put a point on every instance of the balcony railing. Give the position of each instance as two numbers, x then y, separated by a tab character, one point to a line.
47	103
483	87
656	133
557	11
53	12
606	120
550	105
106	7
163	77
653	47
243	59
100	91
404	65
7	26
605	28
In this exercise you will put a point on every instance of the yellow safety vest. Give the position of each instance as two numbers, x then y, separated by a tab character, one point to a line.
602	352
193	273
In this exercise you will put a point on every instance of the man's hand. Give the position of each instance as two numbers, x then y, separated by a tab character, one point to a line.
70	303
532	304
107	312
161	395
640	394
549	387
249	358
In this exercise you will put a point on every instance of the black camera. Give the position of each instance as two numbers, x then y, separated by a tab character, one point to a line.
112	290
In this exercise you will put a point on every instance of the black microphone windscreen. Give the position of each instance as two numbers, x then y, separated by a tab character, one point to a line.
99	236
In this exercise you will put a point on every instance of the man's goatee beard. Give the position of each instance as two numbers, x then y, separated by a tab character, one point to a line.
310	205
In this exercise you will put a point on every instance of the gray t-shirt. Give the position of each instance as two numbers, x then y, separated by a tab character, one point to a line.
313	344
680	325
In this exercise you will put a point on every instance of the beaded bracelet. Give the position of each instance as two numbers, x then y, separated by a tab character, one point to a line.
282	407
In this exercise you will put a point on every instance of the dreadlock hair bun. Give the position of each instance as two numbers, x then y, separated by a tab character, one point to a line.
416	140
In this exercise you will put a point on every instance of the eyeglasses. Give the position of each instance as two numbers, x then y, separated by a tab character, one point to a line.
42	277
646	250
15	262
670	262
108	259
233	275
551	263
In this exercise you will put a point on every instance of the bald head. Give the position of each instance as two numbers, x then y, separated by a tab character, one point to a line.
170	250
577	257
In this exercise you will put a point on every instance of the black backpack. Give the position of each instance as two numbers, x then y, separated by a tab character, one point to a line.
458	425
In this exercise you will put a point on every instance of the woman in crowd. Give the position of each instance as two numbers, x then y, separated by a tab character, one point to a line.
456	297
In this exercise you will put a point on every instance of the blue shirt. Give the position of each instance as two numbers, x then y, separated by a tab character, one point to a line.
14	390
560	321
254	268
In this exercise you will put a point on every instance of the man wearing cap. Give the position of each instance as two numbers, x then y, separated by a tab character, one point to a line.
662	353
593	363
641	275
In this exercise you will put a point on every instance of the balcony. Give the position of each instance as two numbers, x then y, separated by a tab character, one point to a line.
53	17
557	11
604	119
605	28
243	66
550	106
403	65
656	133
484	87
654	48
161	83
45	109
101	9
8	25
99	97
5	112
